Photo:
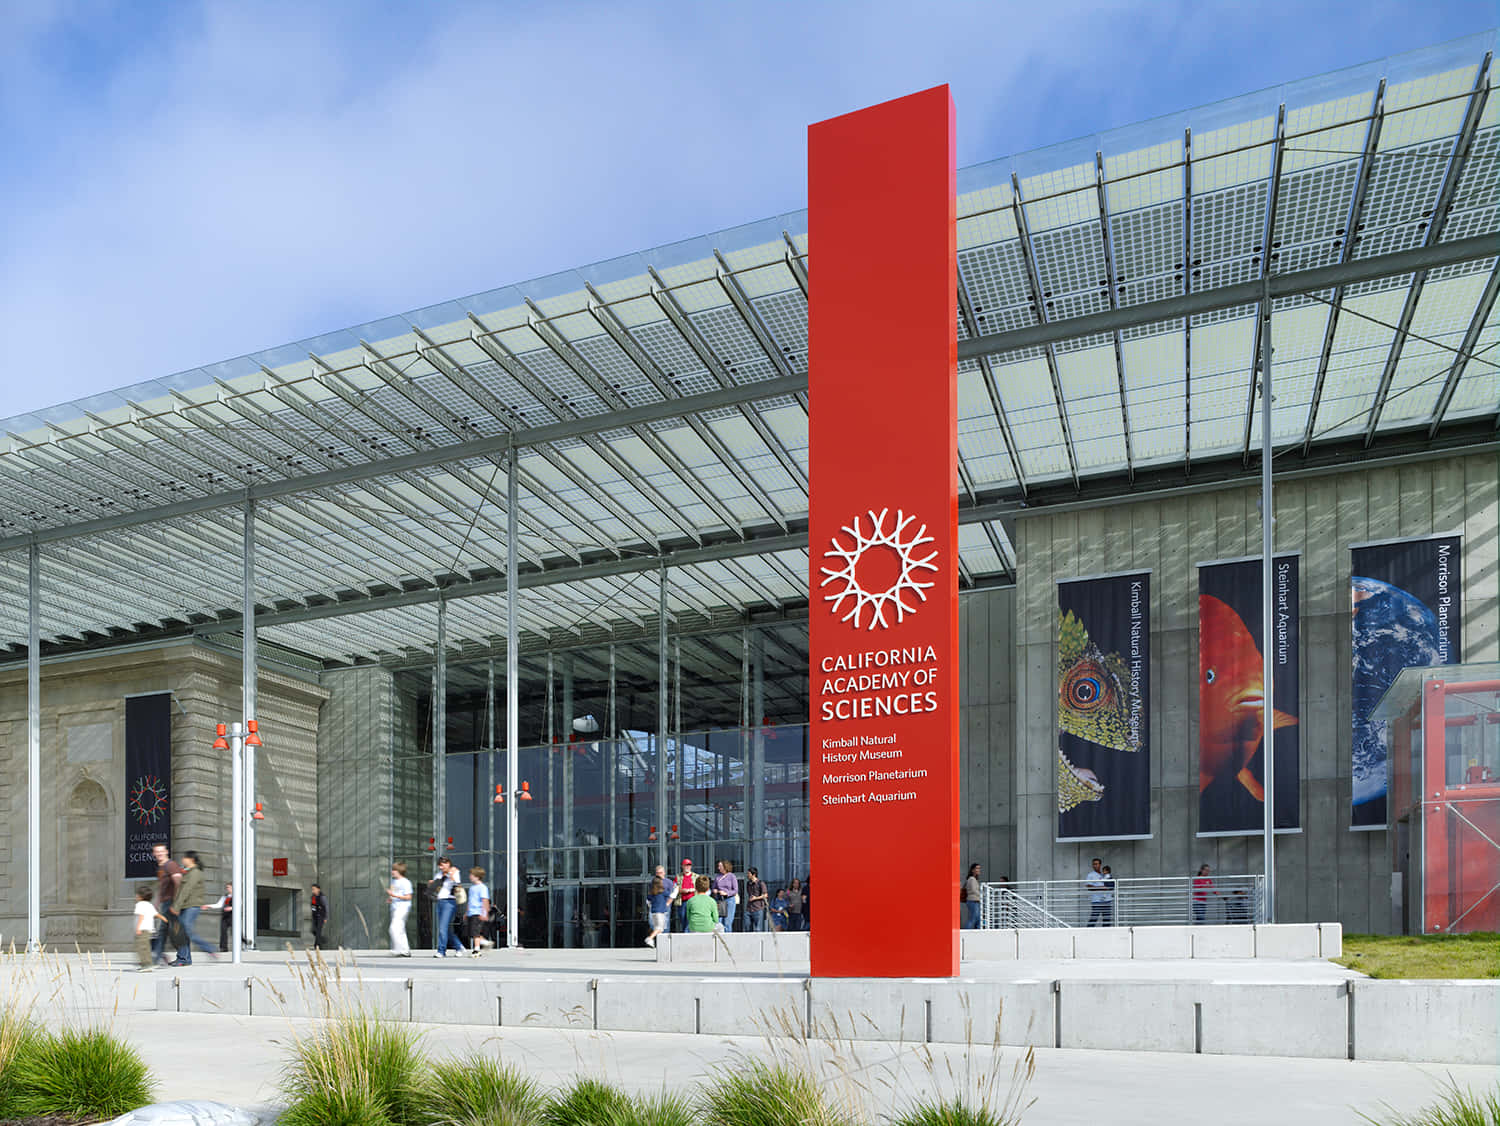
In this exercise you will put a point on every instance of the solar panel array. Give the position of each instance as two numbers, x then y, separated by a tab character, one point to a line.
136	494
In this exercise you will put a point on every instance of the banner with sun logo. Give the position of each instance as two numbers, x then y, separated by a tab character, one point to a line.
1231	696
1104	707
148	780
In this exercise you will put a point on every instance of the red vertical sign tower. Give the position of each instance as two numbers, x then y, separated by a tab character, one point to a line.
883	537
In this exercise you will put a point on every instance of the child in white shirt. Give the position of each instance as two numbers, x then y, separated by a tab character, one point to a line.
146	916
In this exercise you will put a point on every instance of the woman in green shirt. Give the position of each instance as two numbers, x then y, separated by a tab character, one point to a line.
702	911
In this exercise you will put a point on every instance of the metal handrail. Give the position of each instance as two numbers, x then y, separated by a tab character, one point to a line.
1146	901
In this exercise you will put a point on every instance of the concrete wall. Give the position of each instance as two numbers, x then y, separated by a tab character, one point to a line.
1327	872
86	898
986	625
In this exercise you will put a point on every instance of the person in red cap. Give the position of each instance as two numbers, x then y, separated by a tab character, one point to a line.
685	891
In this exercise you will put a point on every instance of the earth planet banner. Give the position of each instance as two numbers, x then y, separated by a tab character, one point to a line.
1408	610
1104	707
1231	692
148	780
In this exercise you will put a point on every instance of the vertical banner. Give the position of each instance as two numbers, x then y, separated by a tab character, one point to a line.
1104	708
1231	695
1408	607
883	530
148	780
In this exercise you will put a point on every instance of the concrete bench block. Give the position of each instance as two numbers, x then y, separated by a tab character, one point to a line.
987	946
1143	1016
1101	942
1427	1021
387	998
646	1005
1330	940
787	946
1162	942
870	1009
750	1007
692	948
1044	945
462	1000
567	1003
1286	940
1224	942
1023	1010
738	949
226	995
1309	1020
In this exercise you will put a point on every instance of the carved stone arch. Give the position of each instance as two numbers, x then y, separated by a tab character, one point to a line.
86	869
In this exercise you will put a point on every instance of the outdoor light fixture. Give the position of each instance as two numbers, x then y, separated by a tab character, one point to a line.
499	794
253	738
257	815
450	844
652	835
221	743
431	844
525	794
674	835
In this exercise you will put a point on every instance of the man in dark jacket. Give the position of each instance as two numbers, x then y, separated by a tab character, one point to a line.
319	915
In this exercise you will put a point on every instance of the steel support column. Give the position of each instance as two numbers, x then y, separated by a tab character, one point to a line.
489	774
512	708
663	762
248	892
439	711
1267	610
34	746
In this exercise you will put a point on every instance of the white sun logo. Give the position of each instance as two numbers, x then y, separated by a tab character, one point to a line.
894	596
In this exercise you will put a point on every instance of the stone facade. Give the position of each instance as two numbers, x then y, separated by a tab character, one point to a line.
86	898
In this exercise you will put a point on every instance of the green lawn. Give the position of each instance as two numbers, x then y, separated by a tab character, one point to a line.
1423	956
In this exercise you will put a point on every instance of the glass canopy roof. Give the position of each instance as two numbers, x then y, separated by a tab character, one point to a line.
1110	292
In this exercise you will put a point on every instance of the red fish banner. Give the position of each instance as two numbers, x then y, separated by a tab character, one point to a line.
1231	696
1104	708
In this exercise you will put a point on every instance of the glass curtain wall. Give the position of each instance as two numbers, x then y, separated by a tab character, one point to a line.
735	776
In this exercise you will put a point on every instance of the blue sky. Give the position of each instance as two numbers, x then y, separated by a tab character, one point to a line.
188	182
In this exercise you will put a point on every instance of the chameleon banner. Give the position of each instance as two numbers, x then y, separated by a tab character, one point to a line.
1104	707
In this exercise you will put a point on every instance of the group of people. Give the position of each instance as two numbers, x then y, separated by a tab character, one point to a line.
462	910
166	912
698	904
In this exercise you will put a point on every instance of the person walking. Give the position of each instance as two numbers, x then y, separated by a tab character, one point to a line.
657	899
476	910
726	892
756	902
168	876
1098	890
794	921
1109	904
398	895
1203	887
970	897
146	918
686	889
224	905
702	915
319	903
446	889
186	906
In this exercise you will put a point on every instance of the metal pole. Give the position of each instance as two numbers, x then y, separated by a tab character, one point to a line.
1267	609
248	705
489	758
662	688
34	746
440	738
512	709
237	820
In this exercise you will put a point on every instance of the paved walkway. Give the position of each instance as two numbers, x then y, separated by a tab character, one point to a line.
235	1059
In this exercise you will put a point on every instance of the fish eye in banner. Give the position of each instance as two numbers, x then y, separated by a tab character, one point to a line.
1231	695
1104	707
1408	610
